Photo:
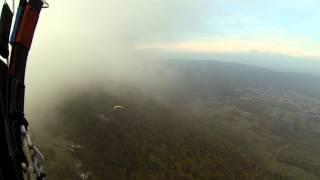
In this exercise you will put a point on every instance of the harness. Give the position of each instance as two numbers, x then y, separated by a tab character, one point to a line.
19	158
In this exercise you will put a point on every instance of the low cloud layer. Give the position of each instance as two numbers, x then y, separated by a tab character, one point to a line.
79	45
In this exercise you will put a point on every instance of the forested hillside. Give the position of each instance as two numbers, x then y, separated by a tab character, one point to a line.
220	121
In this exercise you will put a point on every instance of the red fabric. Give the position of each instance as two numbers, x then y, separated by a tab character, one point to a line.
27	26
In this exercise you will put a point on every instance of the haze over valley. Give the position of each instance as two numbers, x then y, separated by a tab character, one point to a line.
218	121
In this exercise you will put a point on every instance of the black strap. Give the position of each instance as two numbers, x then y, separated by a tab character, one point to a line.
5	27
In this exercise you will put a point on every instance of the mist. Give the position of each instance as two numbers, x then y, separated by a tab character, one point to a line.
80	45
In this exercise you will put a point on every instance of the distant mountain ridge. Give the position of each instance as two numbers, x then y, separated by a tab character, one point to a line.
210	74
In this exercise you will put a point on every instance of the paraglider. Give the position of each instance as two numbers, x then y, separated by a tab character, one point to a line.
118	107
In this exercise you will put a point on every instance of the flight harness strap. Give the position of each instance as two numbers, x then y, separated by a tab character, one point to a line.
17	22
28	25
25	156
5	27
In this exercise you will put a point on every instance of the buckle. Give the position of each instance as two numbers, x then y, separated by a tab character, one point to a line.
34	165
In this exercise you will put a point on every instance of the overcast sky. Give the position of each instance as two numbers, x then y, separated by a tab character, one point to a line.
286	27
103	30
94	36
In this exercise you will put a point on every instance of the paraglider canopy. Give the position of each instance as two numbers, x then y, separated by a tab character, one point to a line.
118	107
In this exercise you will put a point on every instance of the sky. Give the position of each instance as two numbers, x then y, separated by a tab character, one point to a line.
244	31
286	31
281	35
74	37
173	28
287	27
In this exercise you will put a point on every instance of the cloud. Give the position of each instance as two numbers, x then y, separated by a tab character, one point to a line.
81	44
273	44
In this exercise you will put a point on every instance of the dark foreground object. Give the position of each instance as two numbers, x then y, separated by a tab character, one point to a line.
20	159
